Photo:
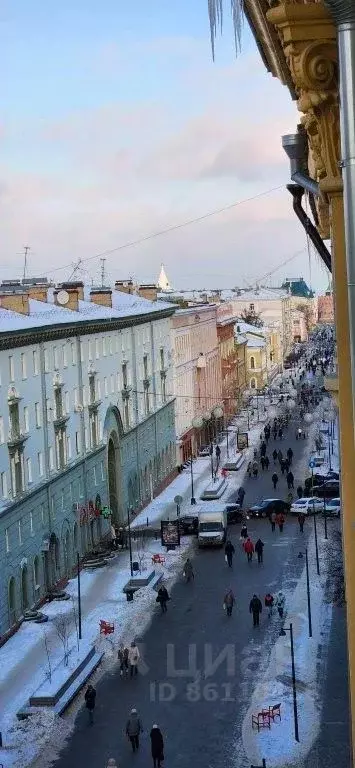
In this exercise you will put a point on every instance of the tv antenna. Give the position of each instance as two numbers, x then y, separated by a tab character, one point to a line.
103	261
27	250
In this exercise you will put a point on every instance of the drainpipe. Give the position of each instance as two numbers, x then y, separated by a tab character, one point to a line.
297	193
296	148
343	13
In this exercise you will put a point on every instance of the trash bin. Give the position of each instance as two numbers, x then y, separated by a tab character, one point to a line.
129	595
135	566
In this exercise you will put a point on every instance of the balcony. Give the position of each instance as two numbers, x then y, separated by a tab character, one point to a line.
126	392
16	439
94	405
147	382
60	420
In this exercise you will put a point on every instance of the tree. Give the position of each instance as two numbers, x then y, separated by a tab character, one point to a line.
251	317
62	626
307	314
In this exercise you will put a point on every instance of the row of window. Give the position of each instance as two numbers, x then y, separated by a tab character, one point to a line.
58	358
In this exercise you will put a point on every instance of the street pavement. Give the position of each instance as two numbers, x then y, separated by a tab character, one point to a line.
200	722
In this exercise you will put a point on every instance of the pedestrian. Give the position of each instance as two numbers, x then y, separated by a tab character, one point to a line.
133	658
218	452
90	701
255	468
248	547
255	453
123	659
286	465
162	598
249	469
255	607
290	479
229	552
133	729
280	603
157	744
274	455
262	462
299	491
259	546
275	480
290	455
280	519
244	532
228	602
188	571
274	433
280	433
280	457
269	602
301	521
273	519
263	449
113	537
267	462
282	466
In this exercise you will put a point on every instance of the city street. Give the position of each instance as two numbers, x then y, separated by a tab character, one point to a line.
174	688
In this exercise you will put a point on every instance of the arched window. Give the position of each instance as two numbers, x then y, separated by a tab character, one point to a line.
24	589
252	363
252	383
12	601
36	579
75	539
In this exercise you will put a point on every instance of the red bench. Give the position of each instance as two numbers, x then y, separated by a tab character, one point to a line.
261	720
106	628
158	559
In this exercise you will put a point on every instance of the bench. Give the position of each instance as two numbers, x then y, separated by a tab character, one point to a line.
106	628
273	712
261	720
158	559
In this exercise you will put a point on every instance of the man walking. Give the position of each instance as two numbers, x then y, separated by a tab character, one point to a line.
90	701
280	519
273	520
229	552
290	479
248	547
290	455
133	658
133	729
162	598
301	520
275	480
259	546
255	607
274	455
228	602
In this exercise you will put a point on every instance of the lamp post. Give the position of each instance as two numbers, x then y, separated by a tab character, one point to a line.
294	690
79	594
325	518
193	500
197	423
310	632
129	539
217	413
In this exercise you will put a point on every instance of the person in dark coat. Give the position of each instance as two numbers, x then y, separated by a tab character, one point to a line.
267	462
157	743
263	449
228	602
290	455
162	598
90	700
274	455
275	480
262	462
283	466
299	491
123	659
255	607
259	546
244	532
133	729
301	520
229	552
290	479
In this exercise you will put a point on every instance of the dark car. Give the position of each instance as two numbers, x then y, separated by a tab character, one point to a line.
188	524
265	507
320	479
329	490
234	513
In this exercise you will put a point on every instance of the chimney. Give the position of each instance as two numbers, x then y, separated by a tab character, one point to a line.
73	285
126	286
38	292
16	302
67	297
148	291
102	296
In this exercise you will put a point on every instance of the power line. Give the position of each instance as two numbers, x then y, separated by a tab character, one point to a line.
173	228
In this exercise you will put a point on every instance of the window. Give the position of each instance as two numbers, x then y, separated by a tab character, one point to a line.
97	349
90	350
17	479
3	478
31	523
81	488
75	391
104	350
58	402
77	442
46	360
35	362
67	402
55	359
40	464
92	393
69	447
112	383
94	430
48	410
26	418
29	470
64	354
2	436
252	363
84	396
7	539
53	508
94	475
42	513
102	471
162	361
145	367
124	376
86	439
118	382
60	449
82	351
98	386
101	431
19	532
14	419
23	366
105	387
110	345
51	458
11	368
37	415
251	307
73	352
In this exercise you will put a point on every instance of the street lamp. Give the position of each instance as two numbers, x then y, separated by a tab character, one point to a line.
217	413
310	632
294	690
129	539
315	526
197	423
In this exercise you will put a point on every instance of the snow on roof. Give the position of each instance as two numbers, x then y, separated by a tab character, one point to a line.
43	314
242	327
259	294
256	342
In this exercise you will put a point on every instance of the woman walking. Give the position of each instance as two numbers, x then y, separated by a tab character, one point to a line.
228	602
157	742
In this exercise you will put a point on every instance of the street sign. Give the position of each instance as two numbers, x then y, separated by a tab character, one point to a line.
312	464
178	500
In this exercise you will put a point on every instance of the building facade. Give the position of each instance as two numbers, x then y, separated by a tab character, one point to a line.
86	427
325	308
229	360
299	326
197	379
273	305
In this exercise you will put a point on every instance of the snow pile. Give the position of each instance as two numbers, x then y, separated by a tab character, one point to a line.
278	745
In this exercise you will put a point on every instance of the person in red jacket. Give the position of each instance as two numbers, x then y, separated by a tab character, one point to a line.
248	547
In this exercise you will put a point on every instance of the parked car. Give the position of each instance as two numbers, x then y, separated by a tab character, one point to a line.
333	507
319	479
234	514
307	505
188	524
265	507
328	490
203	452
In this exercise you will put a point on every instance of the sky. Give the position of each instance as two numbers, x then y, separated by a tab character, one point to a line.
116	124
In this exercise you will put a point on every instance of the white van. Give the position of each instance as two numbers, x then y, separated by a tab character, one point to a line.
212	524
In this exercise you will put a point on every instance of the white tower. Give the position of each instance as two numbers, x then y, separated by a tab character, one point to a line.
163	282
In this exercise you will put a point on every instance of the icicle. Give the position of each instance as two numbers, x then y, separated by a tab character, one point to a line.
215	13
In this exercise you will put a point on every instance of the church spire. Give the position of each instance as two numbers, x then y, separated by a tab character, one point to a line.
163	282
